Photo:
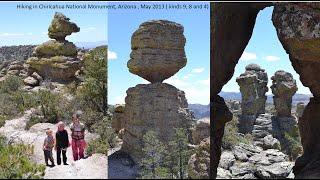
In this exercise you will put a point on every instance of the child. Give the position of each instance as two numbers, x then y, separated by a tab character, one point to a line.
48	144
62	143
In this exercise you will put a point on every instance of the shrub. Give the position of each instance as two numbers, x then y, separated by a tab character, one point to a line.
2	120
231	136
49	103
11	84
294	147
32	121
16	164
97	146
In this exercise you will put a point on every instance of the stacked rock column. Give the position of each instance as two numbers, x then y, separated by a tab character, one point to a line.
283	87
253	87
56	59
157	54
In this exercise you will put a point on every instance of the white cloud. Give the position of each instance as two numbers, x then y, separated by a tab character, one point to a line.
272	58
11	34
187	76
112	55
246	56
205	82
88	29
195	91
176	81
197	70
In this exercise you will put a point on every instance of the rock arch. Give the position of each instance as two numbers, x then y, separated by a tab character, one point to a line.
298	29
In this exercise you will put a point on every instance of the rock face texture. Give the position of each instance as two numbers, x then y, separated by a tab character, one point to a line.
57	59
61	27
159	107
157	53
283	87
157	50
253	87
297	26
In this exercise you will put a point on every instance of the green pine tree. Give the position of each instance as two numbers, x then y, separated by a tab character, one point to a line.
178	155
153	155
94	90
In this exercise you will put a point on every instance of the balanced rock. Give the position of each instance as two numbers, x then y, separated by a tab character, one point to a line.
283	87
61	27
157	50
253	86
56	59
158	107
201	131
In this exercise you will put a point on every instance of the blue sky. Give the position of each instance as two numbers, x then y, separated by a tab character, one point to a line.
23	26
265	49
193	79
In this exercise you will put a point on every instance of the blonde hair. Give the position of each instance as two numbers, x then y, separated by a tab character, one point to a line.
60	123
49	131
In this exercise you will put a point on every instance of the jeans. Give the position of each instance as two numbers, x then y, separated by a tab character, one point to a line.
48	156
64	156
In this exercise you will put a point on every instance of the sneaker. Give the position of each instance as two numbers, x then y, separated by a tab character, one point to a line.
65	164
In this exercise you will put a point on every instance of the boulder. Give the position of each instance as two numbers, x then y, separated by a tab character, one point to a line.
59	68
269	142
157	50
56	48
283	87
30	81
227	160
61	27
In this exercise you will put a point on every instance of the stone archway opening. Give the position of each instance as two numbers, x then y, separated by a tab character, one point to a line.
297	26
262	98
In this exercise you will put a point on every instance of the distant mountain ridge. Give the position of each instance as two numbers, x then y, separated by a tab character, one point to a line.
23	52
200	111
237	96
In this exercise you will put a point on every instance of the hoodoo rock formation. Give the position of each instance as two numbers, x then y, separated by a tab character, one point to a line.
297	26
157	54
253	87
57	59
283	87
157	50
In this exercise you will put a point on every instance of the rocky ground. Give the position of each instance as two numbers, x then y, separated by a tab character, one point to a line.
94	166
252	162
